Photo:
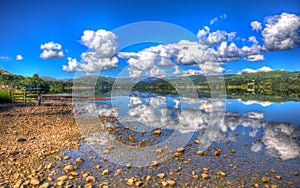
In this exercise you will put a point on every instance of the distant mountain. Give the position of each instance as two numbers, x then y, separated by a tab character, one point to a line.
2	71
48	79
148	80
271	78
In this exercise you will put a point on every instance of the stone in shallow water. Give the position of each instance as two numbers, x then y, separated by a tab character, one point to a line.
161	175
154	163
130	181
180	149
221	173
197	142
105	172
157	132
265	179
74	173
277	177
90	179
171	182
69	168
119	171
79	161
164	183
66	157
138	183
148	178
205	176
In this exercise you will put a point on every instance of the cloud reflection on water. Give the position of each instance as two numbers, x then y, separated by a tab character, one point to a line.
188	115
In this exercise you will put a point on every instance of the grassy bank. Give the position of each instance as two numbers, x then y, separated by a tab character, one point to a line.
4	95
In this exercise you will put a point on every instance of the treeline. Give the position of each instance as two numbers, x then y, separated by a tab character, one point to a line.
34	82
18	81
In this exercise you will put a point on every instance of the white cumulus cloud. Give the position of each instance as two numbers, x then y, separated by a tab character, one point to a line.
281	32
258	57
256	25
19	57
216	19
262	69
209	53
5	58
102	46
51	50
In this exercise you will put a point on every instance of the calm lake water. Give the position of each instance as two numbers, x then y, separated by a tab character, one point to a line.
256	138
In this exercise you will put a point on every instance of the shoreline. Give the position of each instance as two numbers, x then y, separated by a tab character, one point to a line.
41	147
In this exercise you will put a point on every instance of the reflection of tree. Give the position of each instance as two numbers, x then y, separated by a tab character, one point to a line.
187	115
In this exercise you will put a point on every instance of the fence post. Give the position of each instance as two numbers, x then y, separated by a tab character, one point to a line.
24	97
39	99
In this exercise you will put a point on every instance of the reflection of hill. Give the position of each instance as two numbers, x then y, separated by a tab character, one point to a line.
187	115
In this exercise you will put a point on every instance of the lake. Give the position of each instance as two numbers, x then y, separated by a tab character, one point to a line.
240	142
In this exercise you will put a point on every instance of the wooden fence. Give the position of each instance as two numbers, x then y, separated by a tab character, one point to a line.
26	96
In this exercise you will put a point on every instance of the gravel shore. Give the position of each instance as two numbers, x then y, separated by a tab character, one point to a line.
31	134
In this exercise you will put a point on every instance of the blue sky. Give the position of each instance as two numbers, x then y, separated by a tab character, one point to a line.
26	25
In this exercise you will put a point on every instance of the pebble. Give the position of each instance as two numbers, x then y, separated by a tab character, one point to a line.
73	173
45	185
119	171
180	149
171	182
205	176
18	183
130	181
221	173
105	172
34	181
161	175
49	166
205	170
295	173
69	168
62	178
154	163
197	142
148	178
138	183
265	179
164	183
66	157
21	139
277	177
85	175
201	153
157	132
97	167
217	152
79	161
128	165
60	183
90	179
